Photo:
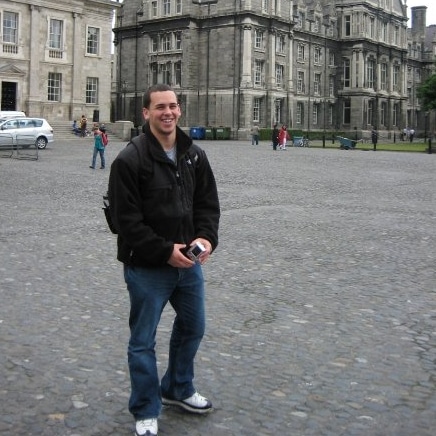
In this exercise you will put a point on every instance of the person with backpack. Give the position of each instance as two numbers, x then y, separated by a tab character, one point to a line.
98	148
163	201
104	137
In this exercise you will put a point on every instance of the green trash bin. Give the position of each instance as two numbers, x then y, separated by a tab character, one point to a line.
223	133
210	133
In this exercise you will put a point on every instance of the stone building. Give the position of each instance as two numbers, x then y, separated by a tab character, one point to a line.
55	57
316	65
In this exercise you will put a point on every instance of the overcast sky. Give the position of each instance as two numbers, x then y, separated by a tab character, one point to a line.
431	9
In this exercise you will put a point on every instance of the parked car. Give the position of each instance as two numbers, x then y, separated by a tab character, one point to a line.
11	114
25	132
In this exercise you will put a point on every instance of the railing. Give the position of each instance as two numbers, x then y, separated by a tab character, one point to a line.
10	48
18	146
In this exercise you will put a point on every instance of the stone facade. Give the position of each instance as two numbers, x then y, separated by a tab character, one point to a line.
55	58
317	66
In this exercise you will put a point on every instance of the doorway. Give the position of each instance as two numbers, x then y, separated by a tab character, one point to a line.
9	96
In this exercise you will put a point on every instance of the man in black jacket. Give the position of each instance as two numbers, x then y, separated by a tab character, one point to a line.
164	200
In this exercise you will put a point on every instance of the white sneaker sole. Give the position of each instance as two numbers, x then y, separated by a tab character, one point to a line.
186	406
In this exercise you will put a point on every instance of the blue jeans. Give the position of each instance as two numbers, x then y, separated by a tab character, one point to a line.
94	157
150	289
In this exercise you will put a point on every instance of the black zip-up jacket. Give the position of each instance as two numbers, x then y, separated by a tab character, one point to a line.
156	203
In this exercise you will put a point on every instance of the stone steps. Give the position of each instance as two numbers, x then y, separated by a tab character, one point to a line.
62	130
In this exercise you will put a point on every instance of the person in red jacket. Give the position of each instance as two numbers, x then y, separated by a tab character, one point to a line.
283	137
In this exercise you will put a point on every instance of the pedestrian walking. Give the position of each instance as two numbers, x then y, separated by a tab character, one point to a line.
411	134
163	200
283	137
255	135
98	148
83	125
275	136
374	138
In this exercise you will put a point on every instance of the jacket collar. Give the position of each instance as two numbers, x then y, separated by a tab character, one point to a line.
183	141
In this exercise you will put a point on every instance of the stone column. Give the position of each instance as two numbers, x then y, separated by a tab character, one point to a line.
272	59
247	67
34	60
77	73
291	61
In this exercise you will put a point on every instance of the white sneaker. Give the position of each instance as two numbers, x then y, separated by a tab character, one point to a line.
195	404
146	427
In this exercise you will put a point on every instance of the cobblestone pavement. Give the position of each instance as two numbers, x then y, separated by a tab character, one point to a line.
321	297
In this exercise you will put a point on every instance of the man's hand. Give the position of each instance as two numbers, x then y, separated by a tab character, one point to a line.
179	260
208	249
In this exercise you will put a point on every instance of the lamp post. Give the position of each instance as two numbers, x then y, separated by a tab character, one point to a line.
311	20
425	125
139	13
124	90
326	23
208	3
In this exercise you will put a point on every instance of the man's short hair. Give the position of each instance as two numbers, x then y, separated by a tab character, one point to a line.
160	87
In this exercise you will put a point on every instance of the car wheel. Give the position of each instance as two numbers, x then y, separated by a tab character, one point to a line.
41	142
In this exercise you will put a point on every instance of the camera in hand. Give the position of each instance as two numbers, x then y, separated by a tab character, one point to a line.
194	252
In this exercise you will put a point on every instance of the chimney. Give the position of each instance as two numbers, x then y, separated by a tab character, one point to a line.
419	19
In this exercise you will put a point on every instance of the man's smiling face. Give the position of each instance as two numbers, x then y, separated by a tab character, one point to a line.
163	113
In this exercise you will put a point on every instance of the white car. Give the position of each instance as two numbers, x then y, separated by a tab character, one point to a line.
24	132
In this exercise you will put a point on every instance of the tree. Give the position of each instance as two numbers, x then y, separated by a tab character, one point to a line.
427	93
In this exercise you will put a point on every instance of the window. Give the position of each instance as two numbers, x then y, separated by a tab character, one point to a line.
347	74
300	82
178	40
347	112
370	112
93	42
178	6
317	55
54	86
178	73
317	84
383	76
166	7
55	39
300	113
300	52
280	44
154	44
10	32
154	8
258	72
92	90
347	25
370	72
396	35
257	105
332	59
166	73
383	113
395	114
278	110
396	77
154	73
384	31
279	74
330	115
372	27
315	114
265	5
331	86
55	36
258	39
166	42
